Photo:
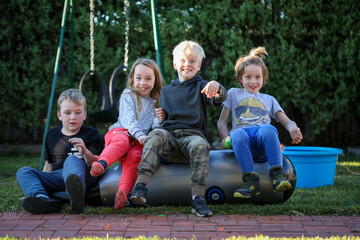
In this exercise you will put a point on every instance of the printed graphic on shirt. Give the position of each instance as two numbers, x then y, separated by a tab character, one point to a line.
75	152
250	110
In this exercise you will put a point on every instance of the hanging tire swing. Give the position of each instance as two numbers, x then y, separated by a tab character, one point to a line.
103	102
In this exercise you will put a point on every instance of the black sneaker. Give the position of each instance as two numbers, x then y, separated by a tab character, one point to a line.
138	194
75	190
200	208
250	186
279	181
41	205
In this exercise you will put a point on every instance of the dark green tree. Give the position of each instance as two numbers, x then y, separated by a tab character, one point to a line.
313	56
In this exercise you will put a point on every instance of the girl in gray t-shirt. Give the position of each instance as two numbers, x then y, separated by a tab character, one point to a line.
252	136
138	115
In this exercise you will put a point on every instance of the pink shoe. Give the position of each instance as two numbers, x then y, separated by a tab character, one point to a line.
120	200
96	169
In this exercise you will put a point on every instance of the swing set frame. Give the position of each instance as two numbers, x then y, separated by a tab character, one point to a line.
68	6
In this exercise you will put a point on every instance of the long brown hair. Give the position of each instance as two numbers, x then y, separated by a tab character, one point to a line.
255	57
155	92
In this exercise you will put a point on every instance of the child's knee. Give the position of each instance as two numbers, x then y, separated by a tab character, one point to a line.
200	154
199	146
72	161
134	155
269	131
239	136
156	137
24	170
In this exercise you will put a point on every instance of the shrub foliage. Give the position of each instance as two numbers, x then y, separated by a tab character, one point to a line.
313	56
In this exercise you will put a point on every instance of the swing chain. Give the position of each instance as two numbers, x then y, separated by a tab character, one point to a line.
92	63
126	49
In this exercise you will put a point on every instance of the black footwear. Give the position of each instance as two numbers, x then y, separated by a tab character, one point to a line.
41	205
138	194
250	187
279	181
200	208
76	192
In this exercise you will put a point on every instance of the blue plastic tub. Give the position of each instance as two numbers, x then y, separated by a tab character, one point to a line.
314	166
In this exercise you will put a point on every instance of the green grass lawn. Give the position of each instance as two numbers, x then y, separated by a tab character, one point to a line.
343	198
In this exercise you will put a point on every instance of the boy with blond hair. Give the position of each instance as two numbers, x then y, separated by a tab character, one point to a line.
71	148
182	136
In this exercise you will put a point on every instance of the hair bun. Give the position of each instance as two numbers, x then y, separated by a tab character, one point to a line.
259	52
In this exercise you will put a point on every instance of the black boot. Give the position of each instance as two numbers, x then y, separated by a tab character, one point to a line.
279	181
138	194
41	205
75	189
200	208
250	187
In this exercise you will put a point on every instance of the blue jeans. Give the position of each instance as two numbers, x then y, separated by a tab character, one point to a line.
260	142
34	182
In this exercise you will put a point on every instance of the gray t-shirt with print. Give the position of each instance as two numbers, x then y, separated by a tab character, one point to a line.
250	109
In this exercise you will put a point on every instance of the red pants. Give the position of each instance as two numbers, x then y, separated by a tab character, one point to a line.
120	147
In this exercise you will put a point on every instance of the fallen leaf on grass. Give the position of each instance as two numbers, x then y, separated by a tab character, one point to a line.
297	213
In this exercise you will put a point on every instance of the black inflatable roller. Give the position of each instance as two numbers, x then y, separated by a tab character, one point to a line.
171	184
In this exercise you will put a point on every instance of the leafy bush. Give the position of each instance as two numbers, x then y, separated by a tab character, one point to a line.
312	45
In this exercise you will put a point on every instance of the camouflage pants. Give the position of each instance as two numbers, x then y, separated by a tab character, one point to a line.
180	145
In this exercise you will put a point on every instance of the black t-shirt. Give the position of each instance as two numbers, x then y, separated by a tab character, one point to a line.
58	147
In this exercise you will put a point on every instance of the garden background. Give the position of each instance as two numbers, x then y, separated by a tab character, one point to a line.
313	57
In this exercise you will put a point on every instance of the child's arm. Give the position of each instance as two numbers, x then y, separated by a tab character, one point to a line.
128	115
142	139
291	126
48	167
222	125
212	89
215	92
160	113
160	116
80	146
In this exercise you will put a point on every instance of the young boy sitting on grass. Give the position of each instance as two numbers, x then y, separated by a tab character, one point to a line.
71	148
182	136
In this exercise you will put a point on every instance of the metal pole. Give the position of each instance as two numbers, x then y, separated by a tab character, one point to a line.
157	41
56	67
71	85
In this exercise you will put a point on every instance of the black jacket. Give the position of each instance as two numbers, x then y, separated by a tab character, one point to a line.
185	106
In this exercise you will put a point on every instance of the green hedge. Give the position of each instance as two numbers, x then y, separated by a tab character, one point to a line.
313	57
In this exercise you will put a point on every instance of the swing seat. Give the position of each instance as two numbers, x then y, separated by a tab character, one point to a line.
103	100
116	85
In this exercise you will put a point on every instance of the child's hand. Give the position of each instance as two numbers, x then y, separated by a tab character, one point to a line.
296	135
160	114
211	89
142	139
78	144
223	142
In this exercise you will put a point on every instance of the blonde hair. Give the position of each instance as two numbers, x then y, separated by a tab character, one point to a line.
255	57
155	92
185	47
73	95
